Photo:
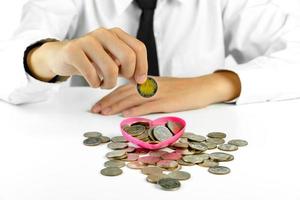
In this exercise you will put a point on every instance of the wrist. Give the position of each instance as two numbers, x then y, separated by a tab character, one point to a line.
37	62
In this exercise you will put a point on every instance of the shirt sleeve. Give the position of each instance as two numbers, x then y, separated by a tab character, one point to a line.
264	40
40	20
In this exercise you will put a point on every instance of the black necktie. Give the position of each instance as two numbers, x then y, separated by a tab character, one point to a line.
146	34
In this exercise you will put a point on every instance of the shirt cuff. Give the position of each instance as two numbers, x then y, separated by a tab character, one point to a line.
22	88
257	82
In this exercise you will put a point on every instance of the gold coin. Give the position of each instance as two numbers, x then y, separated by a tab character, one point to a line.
148	88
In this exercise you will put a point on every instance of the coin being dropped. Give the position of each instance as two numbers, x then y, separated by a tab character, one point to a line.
239	143
169	184
219	170
180	175
148	88
92	141
114	163
111	171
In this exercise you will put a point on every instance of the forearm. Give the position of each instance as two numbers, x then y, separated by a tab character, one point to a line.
220	86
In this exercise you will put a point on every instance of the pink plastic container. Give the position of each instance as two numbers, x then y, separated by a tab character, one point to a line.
153	123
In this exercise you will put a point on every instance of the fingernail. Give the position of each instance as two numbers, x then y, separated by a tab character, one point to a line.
106	111
96	108
141	78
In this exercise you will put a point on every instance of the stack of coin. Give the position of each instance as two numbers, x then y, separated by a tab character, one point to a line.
164	167
94	138
142	131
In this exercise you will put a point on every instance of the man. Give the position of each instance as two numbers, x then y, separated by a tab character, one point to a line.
184	44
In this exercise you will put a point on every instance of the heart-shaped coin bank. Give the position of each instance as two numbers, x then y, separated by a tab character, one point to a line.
178	126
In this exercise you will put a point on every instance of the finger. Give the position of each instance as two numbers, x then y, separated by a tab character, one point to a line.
124	104
139	48
115	96
105	66
120	50
86	69
147	108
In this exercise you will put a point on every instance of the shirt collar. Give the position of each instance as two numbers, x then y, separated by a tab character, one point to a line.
121	5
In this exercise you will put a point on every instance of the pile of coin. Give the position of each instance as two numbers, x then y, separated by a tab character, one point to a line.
164	167
95	138
142	131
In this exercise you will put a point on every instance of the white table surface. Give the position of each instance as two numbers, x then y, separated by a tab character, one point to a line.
42	155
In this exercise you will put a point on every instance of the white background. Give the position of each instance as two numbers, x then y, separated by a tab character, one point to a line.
10	13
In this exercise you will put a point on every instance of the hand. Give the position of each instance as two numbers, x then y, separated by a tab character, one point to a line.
99	56
174	94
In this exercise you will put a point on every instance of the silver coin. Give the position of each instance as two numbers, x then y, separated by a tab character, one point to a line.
216	140
219	170
209	163
210	145
154	178
169	184
135	130
221	157
239	143
92	141
104	139
131	157
114	163
152	170
180	175
136	165
162	133
193	159
227	147
174	127
167	164
216	135
116	154
93	134
198	146
187	134
180	145
111	171
117	146
196	138
183	163
118	139
130	149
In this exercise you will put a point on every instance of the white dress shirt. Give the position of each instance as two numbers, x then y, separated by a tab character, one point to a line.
193	38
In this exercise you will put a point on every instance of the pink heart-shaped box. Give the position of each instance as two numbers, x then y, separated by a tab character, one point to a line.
156	122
